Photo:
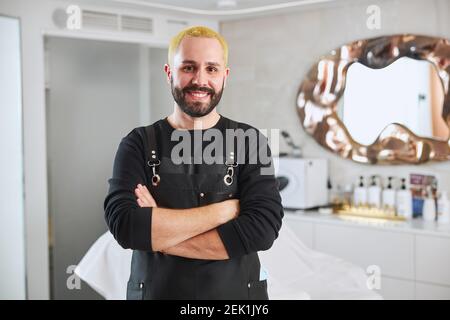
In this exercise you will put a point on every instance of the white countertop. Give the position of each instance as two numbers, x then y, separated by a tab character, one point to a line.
415	226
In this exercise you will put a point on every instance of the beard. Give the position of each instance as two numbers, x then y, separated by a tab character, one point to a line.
196	109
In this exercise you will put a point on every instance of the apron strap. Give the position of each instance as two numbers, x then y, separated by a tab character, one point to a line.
231	149
153	157
231	157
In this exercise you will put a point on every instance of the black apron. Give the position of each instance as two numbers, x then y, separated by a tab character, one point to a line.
155	275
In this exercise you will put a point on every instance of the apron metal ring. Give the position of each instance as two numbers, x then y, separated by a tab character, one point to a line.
156	179
228	180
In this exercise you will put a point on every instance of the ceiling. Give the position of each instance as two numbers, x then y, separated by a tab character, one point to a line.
223	9
215	4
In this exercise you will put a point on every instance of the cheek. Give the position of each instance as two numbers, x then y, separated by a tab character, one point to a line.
216	84
180	81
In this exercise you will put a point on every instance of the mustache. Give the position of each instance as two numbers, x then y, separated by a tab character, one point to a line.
198	88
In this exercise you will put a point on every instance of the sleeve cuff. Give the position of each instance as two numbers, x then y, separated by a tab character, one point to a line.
231	239
141	229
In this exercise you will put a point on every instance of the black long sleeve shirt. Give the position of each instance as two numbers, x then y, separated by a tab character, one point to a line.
255	228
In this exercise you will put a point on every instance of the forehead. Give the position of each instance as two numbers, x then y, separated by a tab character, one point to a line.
200	50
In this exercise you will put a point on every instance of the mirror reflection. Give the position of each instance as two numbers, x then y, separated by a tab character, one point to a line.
407	92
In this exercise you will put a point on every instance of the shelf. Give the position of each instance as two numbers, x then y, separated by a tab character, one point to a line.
368	214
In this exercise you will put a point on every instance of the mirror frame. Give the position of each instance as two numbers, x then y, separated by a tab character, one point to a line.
324	85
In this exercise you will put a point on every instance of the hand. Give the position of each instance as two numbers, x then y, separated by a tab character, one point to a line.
144	198
229	209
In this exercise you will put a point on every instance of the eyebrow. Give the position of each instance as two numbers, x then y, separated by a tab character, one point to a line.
194	62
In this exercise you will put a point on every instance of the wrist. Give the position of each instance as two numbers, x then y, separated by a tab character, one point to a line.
220	211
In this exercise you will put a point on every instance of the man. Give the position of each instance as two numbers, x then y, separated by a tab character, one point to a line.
195	227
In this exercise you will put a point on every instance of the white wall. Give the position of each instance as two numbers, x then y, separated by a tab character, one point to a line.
161	99
12	233
269	56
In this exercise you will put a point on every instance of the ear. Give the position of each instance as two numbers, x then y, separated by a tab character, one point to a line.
168	72
225	77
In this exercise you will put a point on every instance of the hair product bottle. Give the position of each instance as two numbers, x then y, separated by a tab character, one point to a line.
404	201
374	194
443	209
429	207
360	194
388	196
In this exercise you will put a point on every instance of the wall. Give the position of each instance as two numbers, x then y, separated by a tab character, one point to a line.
161	99
12	226
269	57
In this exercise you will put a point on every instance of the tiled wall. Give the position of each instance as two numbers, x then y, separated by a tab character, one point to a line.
270	55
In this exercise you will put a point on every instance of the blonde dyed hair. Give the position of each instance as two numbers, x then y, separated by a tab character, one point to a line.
198	32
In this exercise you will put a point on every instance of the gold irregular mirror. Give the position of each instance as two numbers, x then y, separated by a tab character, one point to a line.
381	101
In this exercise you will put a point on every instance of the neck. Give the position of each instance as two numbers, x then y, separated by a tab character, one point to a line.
180	120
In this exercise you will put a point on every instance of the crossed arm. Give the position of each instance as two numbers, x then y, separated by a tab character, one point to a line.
189	233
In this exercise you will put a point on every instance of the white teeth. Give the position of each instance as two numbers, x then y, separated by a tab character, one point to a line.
199	95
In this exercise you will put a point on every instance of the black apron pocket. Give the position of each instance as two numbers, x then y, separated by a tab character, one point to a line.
257	290
136	290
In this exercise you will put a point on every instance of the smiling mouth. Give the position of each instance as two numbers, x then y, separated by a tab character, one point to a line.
197	95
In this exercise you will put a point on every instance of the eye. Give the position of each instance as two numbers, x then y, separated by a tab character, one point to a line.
211	69
188	68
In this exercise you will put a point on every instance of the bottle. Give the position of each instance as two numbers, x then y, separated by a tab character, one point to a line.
404	201
360	194
443	209
330	191
388	196
337	198
374	194
348	195
429	207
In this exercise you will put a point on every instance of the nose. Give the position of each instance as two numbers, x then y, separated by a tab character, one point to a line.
200	78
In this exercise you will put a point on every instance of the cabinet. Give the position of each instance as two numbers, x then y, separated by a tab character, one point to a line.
433	259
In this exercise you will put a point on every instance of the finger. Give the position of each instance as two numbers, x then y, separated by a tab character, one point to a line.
139	195
141	199
149	194
146	194
144	204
